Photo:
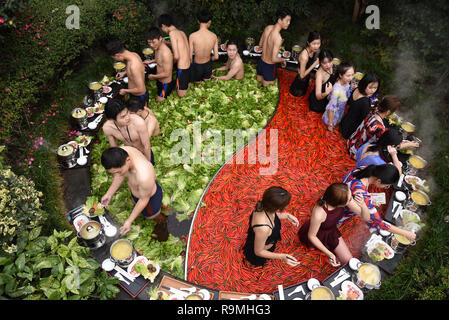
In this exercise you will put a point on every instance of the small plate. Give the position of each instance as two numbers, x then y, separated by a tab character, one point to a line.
141	259
107	89
346	285
312	282
80	221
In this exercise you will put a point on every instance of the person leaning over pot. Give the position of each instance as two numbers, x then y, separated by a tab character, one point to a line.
129	163
321	231
381	176
264	229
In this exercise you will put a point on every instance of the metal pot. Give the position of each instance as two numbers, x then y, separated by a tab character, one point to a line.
420	193
394	242
80	117
360	279
123	261
317	288
91	235
119	66
418	158
66	155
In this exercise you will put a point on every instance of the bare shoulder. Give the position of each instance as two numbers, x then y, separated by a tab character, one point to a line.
107	127
318	214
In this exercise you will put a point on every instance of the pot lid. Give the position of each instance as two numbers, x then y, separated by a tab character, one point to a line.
65	150
90	230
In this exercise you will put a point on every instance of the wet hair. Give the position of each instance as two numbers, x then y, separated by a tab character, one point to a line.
273	199
387	173
114	157
204	16
388	103
343	67
366	80
335	195
282	13
313	35
165	19
391	137
135	105
154	33
233	42
113	108
325	54
113	47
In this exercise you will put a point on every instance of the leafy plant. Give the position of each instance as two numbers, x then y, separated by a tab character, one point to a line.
54	268
20	208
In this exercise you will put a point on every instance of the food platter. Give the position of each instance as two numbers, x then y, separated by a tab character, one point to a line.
83	141
380	250
150	275
350	291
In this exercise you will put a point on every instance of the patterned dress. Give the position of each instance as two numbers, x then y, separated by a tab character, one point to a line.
369	131
337	103
357	187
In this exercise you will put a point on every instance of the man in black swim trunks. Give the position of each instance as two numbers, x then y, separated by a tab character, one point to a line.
164	60
135	70
202	42
181	52
129	163
266	68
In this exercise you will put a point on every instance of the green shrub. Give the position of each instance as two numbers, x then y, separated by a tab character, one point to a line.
20	208
53	268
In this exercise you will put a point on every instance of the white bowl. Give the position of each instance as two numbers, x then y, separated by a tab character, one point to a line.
103	100
354	263
400	196
312	282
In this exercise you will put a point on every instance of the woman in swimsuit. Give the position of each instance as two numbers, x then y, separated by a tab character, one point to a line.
321	231
308	60
264	229
324	80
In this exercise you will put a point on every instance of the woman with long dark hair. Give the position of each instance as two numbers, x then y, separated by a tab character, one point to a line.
339	96
321	231
373	126
359	104
381	151
264	229
383	177
308	60
324	80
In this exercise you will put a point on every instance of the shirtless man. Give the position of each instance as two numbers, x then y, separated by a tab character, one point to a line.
135	70
263	38
129	163
202	42
127	128
136	107
266	70
181	52
164	59
234	63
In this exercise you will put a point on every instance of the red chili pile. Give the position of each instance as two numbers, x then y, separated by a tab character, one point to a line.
310	158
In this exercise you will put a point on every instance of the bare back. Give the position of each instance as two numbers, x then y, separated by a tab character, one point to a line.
151	122
142	177
263	38
181	49
273	43
135	70
203	42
